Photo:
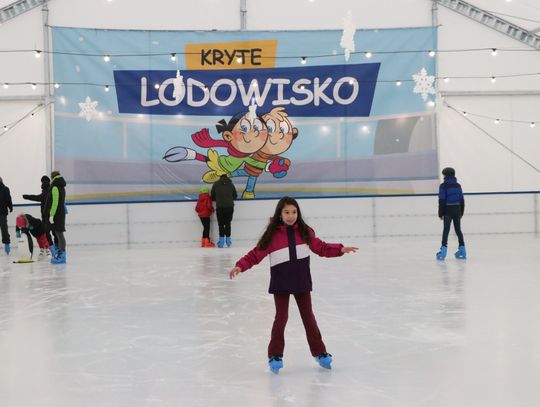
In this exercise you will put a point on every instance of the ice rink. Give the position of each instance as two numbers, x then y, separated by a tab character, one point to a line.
166	327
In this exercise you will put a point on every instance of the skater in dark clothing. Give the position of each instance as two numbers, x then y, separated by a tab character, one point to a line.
224	193
45	185
31	226
205	209
55	210
5	205
451	210
288	240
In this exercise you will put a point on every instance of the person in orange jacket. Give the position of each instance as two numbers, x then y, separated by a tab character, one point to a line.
205	209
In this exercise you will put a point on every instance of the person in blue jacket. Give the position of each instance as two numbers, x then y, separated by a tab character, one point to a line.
451	209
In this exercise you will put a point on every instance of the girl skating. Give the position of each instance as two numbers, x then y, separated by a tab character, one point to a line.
288	240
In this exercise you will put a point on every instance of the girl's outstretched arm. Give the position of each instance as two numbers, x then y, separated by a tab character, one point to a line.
349	250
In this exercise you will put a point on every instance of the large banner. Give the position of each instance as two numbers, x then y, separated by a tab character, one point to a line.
156	115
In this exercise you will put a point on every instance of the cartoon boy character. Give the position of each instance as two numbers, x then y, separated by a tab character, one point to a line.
281	134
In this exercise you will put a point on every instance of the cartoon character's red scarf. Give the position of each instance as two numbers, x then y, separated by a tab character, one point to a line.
202	139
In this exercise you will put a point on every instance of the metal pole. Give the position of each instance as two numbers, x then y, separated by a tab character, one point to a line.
438	98
243	15
48	94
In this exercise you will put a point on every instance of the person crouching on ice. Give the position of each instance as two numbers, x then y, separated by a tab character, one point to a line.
29	225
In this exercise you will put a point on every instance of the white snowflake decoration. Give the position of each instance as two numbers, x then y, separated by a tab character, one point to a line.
423	84
347	38
252	115
179	87
88	108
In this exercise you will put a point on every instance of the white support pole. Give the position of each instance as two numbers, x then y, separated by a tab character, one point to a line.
48	97
243	15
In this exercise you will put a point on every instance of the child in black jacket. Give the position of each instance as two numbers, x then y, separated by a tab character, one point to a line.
45	185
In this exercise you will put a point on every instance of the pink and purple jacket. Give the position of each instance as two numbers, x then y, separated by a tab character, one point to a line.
289	259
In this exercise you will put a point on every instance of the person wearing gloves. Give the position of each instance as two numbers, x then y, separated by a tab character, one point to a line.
45	185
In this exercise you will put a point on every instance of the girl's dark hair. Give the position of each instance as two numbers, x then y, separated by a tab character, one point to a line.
222	126
275	222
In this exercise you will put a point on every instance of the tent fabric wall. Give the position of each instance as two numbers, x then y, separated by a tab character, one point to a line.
482	166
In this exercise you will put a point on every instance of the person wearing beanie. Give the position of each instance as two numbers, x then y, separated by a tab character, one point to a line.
55	215
224	193
31	226
6	206
45	185
451	210
205	209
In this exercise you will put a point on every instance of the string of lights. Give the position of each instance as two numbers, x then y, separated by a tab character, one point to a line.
496	120
482	130
31	114
397	82
464	113
303	58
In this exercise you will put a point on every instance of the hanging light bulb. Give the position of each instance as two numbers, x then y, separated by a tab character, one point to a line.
156	86
173	57
431	53
368	54
6	86
106	88
493	79
32	115
532	125
351	81
34	86
494	52
303	60
398	83
37	54
106	58
497	121
446	80
56	85
464	113
239	60
6	128
255	83
430	103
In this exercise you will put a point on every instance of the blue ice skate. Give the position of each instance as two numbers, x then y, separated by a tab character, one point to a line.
60	258
441	255
221	242
461	253
53	249
325	360
275	363
7	248
228	241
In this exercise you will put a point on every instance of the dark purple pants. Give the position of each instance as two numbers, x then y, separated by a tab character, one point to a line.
314	338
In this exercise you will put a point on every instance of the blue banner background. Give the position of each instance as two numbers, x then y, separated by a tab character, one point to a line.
382	143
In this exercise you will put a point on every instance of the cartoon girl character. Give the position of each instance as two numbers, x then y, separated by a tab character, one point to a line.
244	134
